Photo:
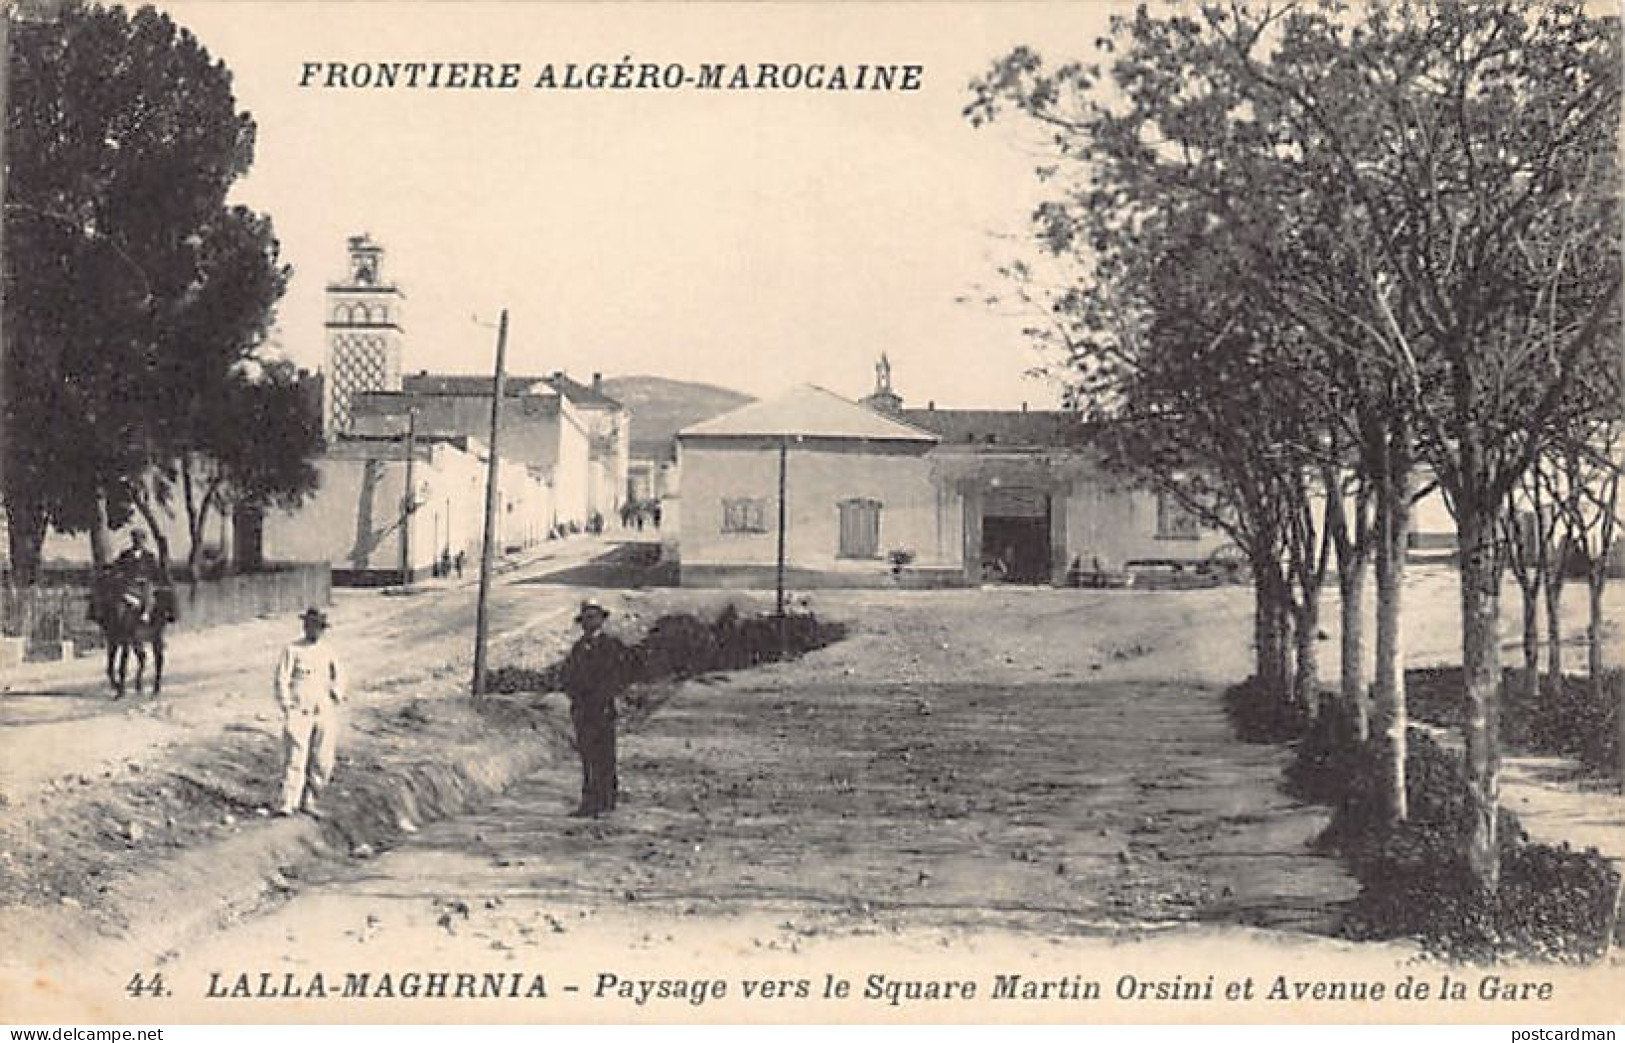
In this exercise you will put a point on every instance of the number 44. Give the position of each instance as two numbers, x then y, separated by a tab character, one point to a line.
141	986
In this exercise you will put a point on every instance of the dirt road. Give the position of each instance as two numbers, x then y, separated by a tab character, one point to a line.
975	784
94	793
223	675
934	782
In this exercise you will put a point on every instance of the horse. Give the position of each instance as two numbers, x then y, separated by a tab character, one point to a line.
116	607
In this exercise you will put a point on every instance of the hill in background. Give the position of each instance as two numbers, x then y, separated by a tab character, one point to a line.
660	408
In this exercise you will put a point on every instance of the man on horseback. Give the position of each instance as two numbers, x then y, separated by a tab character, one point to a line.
131	602
139	569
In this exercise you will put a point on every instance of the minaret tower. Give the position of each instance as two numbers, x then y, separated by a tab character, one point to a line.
364	335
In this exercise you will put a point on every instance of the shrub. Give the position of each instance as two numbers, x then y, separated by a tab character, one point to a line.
766	639
679	646
1261	715
1564	720
1328	758
1553	903
510	679
682	645
1568	719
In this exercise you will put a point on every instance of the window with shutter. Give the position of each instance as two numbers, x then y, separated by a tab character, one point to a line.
860	529
744	515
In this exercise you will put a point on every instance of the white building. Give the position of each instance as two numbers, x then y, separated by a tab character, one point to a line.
363	522
925	498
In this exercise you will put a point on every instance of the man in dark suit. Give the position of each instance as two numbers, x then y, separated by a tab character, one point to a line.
139	569
595	672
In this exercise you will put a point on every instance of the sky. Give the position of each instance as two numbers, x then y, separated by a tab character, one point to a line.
751	239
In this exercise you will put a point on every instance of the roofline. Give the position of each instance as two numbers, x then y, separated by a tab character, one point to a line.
931	436
484	392
588	398
940	411
920	434
785	436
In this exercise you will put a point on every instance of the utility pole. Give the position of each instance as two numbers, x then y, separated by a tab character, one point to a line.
409	496
481	614
784	457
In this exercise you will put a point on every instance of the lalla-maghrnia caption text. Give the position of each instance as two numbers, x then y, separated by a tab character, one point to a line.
876	987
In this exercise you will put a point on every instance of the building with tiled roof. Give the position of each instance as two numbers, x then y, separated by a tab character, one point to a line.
875	494
572	433
851	485
587	396
807	412
541	429
1003	428
470	385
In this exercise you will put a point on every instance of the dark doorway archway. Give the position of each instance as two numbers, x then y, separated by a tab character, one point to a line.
1016	534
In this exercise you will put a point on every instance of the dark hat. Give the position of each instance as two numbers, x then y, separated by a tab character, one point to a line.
591	606
314	614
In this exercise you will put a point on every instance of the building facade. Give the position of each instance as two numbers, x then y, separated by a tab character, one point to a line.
608	430
541	429
389	509
918	498
853	487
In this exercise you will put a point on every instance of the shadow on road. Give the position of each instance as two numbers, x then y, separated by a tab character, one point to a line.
52	707
627	566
